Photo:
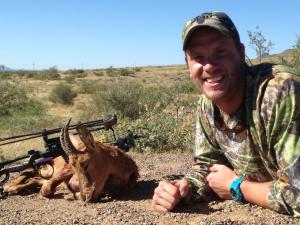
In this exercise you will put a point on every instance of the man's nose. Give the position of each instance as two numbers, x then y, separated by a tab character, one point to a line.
208	66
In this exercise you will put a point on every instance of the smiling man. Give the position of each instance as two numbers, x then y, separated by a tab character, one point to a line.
247	145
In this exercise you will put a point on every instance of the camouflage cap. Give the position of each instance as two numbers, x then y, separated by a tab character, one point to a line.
217	20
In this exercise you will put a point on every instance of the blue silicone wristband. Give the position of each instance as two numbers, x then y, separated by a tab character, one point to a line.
235	190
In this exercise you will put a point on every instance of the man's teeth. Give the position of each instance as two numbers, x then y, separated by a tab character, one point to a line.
214	79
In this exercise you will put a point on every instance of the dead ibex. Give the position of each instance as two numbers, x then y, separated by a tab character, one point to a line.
92	169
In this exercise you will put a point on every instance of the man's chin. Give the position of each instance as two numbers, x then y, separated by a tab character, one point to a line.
215	96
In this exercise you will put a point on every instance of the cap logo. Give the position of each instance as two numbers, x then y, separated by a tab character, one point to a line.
200	19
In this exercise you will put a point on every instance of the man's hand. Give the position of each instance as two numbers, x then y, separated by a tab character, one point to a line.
168	194
219	180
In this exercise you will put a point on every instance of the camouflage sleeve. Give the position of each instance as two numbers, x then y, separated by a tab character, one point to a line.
206	153
280	111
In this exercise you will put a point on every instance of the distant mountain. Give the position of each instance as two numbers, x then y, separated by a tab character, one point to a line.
5	68
277	58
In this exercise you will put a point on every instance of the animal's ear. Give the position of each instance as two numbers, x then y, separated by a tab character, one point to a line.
86	137
77	143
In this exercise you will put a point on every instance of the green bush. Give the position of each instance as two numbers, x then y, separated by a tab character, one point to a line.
31	75
130	99
163	132
50	74
12	99
138	69
98	73
81	75
19	112
123	98
62	94
110	71
90	87
75	71
162	115
5	75
70	78
126	72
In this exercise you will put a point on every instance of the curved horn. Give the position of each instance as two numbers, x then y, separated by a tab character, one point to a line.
65	140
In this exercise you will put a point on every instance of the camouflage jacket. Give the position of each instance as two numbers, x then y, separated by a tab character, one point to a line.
261	142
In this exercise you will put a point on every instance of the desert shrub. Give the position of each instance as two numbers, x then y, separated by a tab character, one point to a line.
161	115
90	87
49	74
98	73
130	99
21	73
122	98
62	94
81	75
5	75
70	78
30	75
138	69
19	112
12	99
163	132
125	72
75	71
110	71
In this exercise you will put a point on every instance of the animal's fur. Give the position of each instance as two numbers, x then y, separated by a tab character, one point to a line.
94	169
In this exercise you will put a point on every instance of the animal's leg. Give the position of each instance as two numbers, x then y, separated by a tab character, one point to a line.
31	185
49	186
132	180
14	186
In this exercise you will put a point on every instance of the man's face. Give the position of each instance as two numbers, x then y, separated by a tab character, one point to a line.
215	63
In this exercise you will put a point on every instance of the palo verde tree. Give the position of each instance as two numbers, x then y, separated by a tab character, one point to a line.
259	43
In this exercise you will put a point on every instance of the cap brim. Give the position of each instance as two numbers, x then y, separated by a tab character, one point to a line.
193	29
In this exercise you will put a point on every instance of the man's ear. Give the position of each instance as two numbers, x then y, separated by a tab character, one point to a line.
186	61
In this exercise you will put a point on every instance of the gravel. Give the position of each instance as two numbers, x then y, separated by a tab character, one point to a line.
136	207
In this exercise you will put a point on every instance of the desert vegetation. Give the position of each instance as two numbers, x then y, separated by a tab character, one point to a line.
156	102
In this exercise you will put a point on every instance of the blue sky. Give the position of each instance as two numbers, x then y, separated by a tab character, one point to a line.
87	34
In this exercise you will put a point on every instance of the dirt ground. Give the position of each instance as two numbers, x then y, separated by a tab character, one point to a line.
136	207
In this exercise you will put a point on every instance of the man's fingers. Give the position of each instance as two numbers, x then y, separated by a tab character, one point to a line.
164	203
166	196
217	167
169	188
184	188
159	208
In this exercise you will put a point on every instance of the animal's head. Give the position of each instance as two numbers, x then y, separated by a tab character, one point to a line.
87	160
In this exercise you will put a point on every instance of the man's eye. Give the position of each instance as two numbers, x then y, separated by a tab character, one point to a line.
221	53
198	58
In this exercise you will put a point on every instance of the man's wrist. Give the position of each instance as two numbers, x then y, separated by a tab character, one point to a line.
235	190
